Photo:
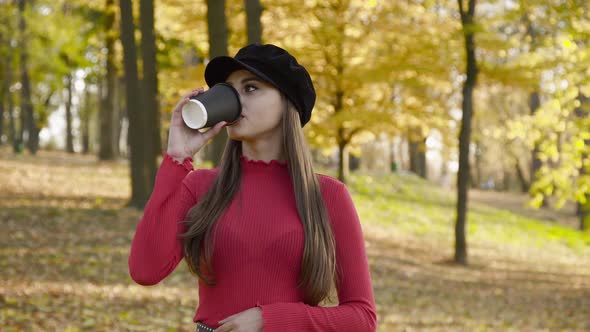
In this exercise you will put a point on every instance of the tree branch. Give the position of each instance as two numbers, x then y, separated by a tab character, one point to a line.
352	133
471	8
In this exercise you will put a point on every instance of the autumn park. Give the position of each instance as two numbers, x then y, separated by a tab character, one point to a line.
460	128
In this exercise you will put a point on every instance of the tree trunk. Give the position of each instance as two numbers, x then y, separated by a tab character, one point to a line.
343	157
4	88
478	174
2	109
471	177
85	121
417	152
413	155
506	179
149	89
3	95
29	125
4	91
69	135
583	209
10	101
402	161
7	100
534	104
524	184
343	161
254	26
393	165
140	172
12	122
22	129
107	135
120	116
467	22
218	36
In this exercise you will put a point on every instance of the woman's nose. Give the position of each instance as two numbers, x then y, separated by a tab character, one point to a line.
242	99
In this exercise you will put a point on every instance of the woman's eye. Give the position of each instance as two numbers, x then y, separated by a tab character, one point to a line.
250	88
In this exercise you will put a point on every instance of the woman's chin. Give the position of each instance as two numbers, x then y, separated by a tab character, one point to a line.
235	134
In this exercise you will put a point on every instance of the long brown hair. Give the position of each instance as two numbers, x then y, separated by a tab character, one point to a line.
318	264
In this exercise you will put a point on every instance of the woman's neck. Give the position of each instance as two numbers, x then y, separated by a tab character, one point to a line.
265	151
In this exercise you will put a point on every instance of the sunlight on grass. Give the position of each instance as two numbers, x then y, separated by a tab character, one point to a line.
415	206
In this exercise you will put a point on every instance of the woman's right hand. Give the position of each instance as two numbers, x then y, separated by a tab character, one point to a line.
183	141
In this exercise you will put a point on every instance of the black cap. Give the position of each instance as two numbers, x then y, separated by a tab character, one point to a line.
273	65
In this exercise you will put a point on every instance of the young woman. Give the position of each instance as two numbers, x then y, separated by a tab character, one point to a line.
267	237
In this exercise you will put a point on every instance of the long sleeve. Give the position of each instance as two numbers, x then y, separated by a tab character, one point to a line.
356	310
156	250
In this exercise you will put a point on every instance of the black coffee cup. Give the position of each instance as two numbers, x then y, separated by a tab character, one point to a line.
220	103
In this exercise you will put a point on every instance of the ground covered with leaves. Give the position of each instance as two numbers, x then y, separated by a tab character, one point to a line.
66	234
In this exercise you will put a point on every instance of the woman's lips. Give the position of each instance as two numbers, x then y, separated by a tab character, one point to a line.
237	120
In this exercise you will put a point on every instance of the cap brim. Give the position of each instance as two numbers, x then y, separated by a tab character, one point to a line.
219	69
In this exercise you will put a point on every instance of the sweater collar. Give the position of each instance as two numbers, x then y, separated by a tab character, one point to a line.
262	163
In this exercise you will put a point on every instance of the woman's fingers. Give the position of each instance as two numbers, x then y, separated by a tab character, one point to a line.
226	327
179	106
199	139
194	92
214	131
186	98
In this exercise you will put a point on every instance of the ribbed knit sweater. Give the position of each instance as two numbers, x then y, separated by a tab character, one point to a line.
258	247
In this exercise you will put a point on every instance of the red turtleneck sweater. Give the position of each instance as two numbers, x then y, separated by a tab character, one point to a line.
258	248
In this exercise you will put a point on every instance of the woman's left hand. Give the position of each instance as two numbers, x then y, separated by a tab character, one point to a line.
245	321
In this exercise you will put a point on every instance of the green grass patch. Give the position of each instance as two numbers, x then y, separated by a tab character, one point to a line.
415	206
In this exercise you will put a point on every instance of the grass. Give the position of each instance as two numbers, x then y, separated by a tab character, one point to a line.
66	235
418	207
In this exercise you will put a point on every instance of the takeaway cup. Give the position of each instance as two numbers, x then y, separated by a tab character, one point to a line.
220	103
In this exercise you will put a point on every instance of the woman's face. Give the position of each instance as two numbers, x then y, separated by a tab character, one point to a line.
262	108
